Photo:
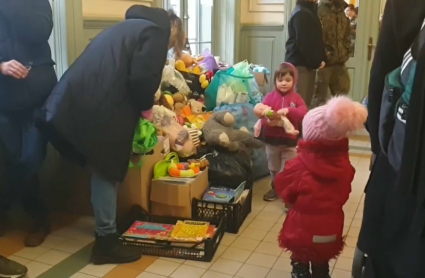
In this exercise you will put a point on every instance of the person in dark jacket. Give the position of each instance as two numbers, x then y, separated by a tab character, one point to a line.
27	77
92	113
305	48
392	229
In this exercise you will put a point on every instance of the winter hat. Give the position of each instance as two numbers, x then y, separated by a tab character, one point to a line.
334	120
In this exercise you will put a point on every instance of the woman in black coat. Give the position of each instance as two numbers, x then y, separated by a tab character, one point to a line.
92	113
390	233
27	77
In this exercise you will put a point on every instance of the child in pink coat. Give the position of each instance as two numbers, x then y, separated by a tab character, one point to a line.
282	102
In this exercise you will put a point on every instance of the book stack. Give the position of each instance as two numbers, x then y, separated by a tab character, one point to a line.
183	231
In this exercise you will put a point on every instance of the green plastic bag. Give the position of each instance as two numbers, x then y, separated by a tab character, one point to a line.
145	139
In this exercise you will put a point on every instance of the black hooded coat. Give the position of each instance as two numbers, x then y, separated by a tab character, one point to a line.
91	115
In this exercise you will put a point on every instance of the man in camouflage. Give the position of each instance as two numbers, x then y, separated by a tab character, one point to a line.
337	39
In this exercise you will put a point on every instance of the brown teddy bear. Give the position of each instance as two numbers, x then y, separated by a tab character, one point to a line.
197	107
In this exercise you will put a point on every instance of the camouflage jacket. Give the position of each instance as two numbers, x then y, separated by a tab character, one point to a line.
336	32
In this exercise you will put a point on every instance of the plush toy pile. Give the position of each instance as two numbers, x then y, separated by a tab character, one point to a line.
180	113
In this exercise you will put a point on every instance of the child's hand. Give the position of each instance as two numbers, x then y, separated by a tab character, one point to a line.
283	111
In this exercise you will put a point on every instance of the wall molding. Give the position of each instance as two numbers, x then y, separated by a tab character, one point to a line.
255	7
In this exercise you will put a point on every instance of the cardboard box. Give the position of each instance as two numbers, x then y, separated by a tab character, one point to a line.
137	185
173	197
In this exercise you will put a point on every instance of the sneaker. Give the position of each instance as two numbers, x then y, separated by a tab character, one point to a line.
320	271
270	196
300	270
11	269
111	250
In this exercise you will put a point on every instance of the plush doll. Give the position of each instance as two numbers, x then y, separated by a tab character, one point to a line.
180	140
219	131
197	107
283	122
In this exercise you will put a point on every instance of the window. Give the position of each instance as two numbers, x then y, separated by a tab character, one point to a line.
197	16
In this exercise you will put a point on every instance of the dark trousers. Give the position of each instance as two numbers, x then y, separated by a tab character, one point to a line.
22	151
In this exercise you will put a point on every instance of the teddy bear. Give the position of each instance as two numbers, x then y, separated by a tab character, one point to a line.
218	131
197	107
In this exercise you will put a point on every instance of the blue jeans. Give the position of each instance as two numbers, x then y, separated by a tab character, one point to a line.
22	151
104	201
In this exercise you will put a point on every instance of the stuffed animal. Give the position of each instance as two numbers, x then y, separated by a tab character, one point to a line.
180	140
197	107
194	135
218	131
180	101
161	99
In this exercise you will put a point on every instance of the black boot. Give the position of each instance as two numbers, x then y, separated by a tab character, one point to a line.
320	271
3	221
300	270
111	250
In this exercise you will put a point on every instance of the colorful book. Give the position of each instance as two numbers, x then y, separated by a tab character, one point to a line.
223	194
189	230
147	230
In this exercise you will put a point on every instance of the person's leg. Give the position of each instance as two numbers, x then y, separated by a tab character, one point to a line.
273	160
34	148
10	149
322	85
340	81
108	248
320	270
306	84
300	266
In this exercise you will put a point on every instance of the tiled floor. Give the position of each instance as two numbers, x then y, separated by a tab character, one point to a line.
253	253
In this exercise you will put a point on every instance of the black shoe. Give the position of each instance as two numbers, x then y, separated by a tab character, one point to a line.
39	231
111	250
11	269
3	222
321	271
300	270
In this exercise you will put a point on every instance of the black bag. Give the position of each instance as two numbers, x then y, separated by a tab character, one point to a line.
229	169
395	104
392	92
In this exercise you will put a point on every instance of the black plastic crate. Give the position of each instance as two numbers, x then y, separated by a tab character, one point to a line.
203	251
234	214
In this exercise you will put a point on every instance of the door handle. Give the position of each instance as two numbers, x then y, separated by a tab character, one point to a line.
370	49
